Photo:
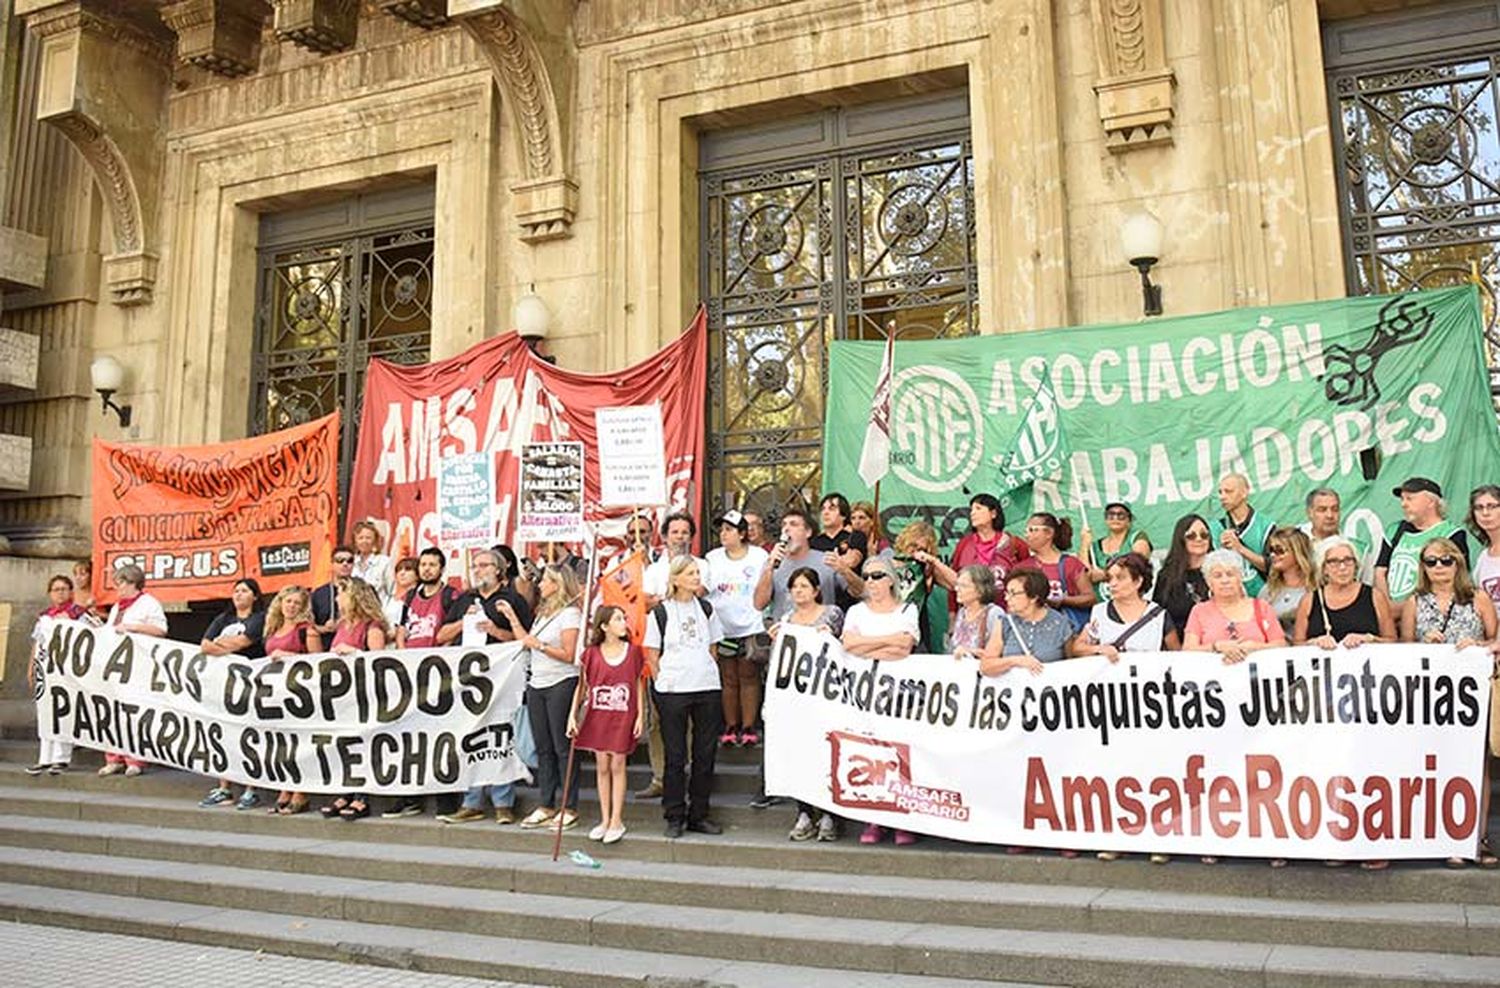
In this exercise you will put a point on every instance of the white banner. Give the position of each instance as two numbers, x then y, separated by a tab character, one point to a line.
1374	752
401	722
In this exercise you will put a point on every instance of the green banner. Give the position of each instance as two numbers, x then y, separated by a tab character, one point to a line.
1156	412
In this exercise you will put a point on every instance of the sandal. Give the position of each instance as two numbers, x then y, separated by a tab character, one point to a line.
280	807
294	806
335	808
1378	864
1486	858
356	810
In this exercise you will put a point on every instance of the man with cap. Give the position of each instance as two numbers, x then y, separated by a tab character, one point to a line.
1425	519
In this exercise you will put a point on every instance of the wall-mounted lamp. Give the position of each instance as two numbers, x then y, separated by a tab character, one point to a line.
533	320
1141	236
108	376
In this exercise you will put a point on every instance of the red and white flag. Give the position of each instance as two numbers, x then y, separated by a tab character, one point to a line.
875	457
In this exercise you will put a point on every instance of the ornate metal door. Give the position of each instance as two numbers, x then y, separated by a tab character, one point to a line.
325	307
845	225
1415	98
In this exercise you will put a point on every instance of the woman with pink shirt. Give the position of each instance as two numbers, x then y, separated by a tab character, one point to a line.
361	627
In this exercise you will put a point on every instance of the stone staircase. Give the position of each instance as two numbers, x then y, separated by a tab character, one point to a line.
748	908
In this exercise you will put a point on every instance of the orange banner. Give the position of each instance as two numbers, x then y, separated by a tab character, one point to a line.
198	519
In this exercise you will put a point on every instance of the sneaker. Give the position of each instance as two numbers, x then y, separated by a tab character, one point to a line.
613	835
873	833
57	768
464	814
905	839
37	769
803	829
249	800
598	832
216	797
538	818
749	738
112	768
764	802
730	738
131	771
504	815
407	806
828	829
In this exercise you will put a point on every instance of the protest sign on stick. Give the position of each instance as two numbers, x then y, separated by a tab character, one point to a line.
551	493
632	456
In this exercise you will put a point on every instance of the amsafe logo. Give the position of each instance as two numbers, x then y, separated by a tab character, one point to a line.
870	773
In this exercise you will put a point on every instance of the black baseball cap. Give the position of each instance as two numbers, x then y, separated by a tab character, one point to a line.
1418	485
732	518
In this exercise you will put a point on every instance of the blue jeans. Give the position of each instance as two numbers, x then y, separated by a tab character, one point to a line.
499	796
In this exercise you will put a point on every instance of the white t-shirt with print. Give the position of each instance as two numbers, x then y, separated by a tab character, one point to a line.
687	663
731	589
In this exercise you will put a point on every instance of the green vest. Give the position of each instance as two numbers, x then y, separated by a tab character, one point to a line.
1401	575
1254	536
1103	559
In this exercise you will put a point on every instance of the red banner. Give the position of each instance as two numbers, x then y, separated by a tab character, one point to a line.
198	519
498	396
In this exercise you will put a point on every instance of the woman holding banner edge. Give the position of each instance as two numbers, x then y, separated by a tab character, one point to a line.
361	628
290	630
239	630
135	612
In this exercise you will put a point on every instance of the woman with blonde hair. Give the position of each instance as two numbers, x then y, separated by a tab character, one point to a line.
552	643
681	631
361	627
290	631
864	519
1445	609
1290	574
370	562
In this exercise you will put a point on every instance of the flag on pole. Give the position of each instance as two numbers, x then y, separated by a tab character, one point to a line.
621	587
1039	450
875	457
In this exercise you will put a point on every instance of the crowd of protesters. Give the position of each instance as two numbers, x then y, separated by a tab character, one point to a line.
1230	584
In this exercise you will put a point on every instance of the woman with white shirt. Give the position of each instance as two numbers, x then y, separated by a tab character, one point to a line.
135	612
370	564
733	570
884	627
552	647
681	631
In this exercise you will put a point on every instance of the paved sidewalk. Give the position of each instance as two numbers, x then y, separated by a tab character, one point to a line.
52	957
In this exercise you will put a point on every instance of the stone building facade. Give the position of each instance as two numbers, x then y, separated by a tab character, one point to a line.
241	200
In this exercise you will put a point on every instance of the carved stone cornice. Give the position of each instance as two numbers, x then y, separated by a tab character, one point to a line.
1135	85
322	26
221	36
531	54
428	14
104	89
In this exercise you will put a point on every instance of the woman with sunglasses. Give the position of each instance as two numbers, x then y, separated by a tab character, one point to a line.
1120	537
1049	537
1342	610
1289	574
884	627
1180	585
1445	609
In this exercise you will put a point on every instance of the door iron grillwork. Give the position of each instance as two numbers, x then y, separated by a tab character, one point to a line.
850	243
325	308
1417	152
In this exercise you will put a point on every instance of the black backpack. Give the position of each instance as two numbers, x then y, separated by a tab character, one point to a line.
446	596
659	615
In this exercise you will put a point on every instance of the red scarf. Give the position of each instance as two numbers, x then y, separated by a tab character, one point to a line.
122	605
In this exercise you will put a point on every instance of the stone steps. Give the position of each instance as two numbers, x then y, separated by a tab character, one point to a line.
746	908
127	859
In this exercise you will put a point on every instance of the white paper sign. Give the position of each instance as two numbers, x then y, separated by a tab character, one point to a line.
632	456
1364	753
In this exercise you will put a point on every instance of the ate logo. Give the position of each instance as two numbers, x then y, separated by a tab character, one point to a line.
937	434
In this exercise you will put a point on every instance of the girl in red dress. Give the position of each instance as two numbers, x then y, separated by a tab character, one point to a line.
609	692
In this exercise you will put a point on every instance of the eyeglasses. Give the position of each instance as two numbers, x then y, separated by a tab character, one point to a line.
343	559
879	574
1276	550
1196	537
1438	561
1038	528
484	565
1486	505
1012	592
1339	561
